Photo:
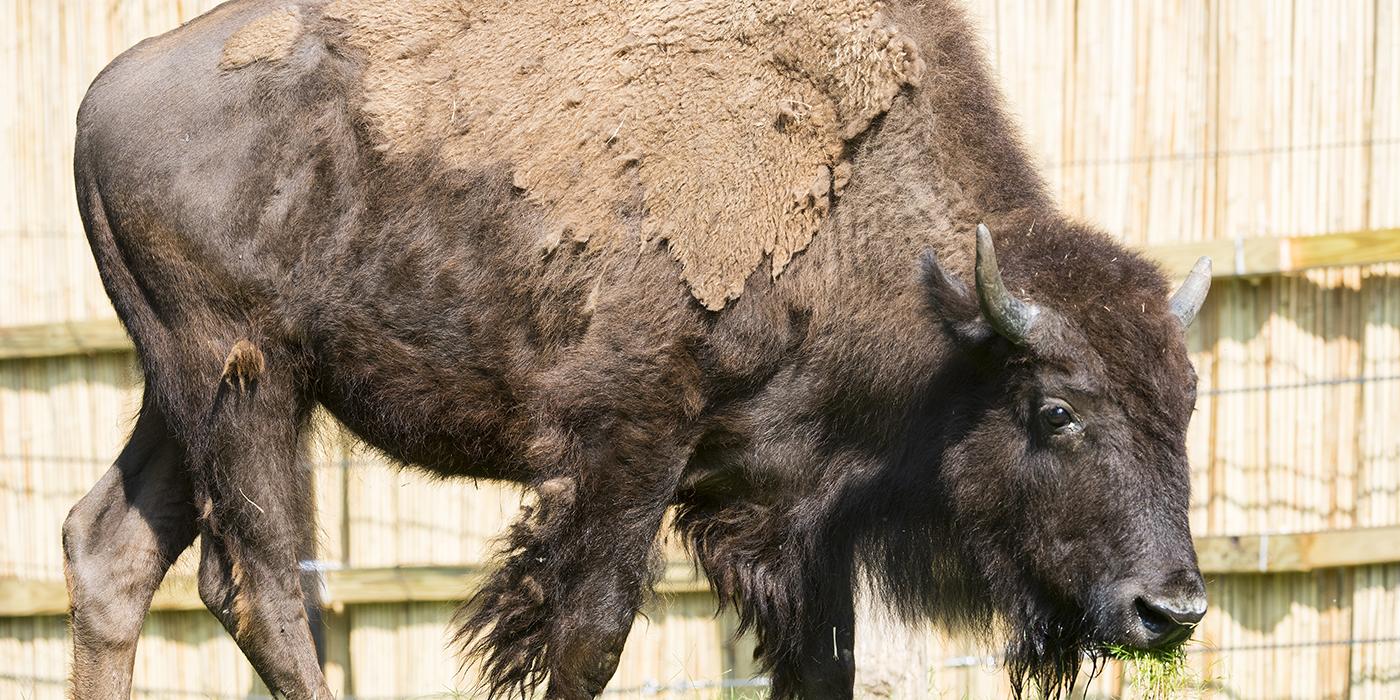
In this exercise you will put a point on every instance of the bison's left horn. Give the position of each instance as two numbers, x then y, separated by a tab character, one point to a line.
1187	300
1009	316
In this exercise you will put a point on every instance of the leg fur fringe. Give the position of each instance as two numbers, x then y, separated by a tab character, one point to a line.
505	626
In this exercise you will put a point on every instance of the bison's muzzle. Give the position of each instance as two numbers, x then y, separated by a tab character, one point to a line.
1162	613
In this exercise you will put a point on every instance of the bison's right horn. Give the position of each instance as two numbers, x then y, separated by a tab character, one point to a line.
1187	300
1009	316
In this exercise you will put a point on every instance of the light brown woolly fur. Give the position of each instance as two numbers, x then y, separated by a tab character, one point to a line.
718	127
270	37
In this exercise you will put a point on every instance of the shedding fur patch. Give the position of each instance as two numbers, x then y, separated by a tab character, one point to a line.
241	609
728	119
270	37
243	366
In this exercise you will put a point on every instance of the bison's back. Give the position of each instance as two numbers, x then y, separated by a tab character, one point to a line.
719	129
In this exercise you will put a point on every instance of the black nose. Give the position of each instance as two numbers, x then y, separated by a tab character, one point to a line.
1168	620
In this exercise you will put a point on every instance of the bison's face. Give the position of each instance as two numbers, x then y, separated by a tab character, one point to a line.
1068	479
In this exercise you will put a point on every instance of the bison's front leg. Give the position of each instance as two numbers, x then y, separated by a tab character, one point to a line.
823	663
793	583
580	561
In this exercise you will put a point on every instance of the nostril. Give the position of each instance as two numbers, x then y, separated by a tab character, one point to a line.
1168	619
1155	620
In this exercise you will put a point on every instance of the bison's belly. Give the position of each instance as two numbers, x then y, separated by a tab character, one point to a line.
434	413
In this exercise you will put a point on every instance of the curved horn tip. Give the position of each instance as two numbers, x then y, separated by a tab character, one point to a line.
1009	316
1187	300
984	238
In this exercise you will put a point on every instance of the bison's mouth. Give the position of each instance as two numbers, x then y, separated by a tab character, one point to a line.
1049	649
1154	617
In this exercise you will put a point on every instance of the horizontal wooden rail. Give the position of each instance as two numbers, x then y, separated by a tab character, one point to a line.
1271	255
421	584
339	587
1241	257
60	339
1304	551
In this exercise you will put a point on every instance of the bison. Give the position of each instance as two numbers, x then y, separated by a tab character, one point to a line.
954	393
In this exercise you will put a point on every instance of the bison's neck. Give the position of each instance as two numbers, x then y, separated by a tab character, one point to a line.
944	158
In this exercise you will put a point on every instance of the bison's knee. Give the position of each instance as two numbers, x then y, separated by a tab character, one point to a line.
101	617
75	530
585	658
84	561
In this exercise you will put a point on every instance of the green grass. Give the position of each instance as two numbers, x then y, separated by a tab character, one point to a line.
1159	674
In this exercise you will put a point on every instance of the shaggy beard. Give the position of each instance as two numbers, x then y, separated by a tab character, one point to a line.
1046	645
926	571
1048	655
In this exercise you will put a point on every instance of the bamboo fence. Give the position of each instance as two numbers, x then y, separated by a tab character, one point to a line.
1265	131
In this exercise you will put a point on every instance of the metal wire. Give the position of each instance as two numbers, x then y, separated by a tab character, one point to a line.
1201	649
1228	153
653	688
992	661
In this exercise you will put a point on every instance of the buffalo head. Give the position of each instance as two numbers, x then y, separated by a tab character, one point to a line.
1065	474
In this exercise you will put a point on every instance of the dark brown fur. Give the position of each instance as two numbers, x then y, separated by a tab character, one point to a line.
854	417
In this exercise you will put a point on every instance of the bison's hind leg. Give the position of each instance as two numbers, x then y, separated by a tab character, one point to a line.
240	413
118	542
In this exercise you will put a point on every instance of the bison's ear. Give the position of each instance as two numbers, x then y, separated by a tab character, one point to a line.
952	302
949	298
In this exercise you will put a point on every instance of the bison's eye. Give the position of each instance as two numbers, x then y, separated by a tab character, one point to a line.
1058	417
